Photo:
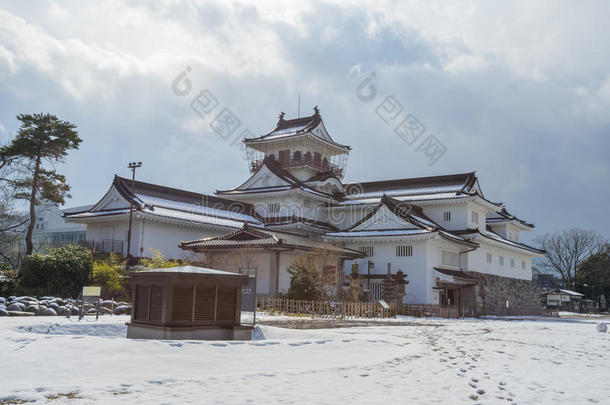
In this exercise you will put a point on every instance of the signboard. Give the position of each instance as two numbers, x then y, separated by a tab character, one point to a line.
92	291
248	296
91	295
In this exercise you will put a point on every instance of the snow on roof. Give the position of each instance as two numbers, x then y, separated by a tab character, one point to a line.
193	217
389	232
195	209
191	270
570	292
499	238
98	213
422	197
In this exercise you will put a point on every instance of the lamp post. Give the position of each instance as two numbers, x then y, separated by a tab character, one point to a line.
133	166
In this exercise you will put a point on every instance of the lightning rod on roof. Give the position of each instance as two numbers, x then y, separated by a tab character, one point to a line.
299	107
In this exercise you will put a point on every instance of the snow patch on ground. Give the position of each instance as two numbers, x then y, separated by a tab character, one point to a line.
66	361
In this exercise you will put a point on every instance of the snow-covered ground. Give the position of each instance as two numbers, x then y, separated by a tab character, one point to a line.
58	360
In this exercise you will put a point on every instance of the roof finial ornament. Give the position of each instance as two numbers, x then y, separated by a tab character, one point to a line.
282	115
316	110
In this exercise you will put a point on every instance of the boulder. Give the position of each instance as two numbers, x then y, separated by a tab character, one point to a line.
122	310
12	298
2	300
26	298
47	298
109	303
3	312
54	305
105	311
74	311
20	313
60	302
63	311
48	312
602	327
35	309
15	306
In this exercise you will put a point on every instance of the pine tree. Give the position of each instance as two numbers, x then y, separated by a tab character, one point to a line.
41	140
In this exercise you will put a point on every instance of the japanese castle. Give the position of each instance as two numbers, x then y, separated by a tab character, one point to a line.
441	231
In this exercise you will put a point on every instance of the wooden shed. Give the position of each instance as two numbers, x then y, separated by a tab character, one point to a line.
187	302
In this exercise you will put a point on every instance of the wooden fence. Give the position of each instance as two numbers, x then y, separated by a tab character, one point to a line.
427	310
324	308
348	309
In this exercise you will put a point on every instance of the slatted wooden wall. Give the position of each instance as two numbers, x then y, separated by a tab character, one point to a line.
182	304
205	298
204	304
156	303
142	299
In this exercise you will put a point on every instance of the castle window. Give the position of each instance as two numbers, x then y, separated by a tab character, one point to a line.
325	163
317	158
512	262
307	157
284	156
447	216
297	156
367	250
475	217
489	258
501	260
451	259
523	264
404	250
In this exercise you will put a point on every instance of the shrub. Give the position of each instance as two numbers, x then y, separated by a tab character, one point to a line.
61	271
305	279
110	275
157	261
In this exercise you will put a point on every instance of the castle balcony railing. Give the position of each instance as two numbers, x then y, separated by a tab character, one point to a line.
322	165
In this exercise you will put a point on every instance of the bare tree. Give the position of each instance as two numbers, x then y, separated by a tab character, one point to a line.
565	250
12	223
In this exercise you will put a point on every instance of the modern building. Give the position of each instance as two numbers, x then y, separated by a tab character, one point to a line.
51	230
456	246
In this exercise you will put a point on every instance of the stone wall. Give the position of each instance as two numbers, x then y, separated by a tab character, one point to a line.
489	296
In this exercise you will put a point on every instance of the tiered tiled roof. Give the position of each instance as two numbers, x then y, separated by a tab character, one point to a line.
286	129
475	234
503	216
172	204
253	237
412	214
274	167
419	189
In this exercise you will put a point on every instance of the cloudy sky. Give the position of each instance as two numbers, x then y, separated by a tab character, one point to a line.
518	92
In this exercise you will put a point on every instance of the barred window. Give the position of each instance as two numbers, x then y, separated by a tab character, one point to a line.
523	264
368	250
449	258
447	216
273	208
404	250
475	217
488	257
501	260
512	262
